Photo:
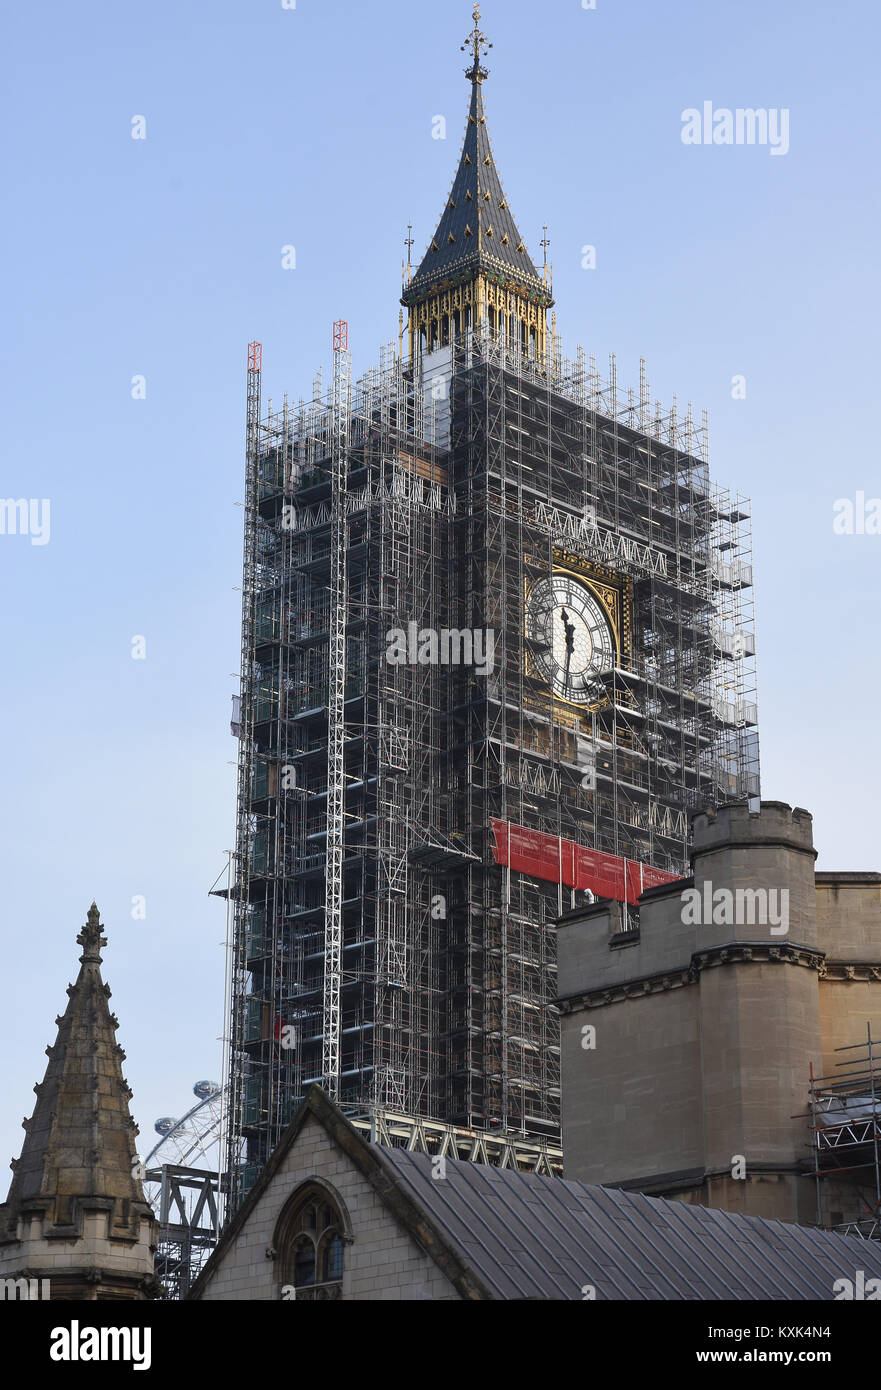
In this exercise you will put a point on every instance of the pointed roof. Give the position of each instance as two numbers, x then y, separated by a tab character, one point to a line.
80	1142
477	230
498	1233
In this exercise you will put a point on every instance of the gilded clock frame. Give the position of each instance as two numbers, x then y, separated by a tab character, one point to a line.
612	591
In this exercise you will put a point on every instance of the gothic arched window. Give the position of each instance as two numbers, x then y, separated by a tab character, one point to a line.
310	1237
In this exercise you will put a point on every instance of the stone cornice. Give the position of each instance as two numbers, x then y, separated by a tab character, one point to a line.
750	846
125	1229
629	989
690	1179
759	952
76	1279
735	953
827	879
847	971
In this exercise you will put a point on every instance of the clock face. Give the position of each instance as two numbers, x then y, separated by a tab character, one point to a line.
570	635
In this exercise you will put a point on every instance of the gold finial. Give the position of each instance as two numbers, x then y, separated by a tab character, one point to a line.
479	45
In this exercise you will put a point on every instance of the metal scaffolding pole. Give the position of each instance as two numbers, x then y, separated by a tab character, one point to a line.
381	949
336	713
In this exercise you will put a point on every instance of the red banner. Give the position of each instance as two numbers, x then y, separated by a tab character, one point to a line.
563	861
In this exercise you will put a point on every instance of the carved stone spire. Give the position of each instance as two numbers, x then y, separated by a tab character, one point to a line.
76	1188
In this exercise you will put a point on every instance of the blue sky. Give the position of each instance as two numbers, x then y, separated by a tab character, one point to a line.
162	258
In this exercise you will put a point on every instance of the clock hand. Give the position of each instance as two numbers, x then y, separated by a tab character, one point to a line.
570	641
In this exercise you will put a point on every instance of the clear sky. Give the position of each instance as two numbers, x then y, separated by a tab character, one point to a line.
161	258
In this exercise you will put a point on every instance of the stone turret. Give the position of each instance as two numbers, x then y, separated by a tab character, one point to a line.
76	1216
688	1044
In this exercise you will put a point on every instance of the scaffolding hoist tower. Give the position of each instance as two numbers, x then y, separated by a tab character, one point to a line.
406	718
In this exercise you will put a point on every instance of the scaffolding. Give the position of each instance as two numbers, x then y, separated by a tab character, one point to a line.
187	1209
438	1140
845	1117
378	948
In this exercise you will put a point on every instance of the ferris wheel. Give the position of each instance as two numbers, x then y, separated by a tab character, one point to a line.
183	1183
194	1140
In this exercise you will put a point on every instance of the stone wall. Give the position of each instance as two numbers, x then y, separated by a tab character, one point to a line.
705	1032
383	1262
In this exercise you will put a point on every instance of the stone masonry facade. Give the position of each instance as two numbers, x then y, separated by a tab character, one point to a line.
381	1259
705	1032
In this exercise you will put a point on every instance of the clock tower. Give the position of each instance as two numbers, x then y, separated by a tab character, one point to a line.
568	599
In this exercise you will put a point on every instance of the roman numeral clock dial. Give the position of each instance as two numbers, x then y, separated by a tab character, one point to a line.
570	636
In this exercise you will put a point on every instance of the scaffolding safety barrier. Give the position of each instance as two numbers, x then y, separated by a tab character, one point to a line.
562	861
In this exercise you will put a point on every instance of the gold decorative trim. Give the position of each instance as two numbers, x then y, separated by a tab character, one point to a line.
610	599
604	582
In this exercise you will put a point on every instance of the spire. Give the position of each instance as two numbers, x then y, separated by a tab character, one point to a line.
477	233
79	1155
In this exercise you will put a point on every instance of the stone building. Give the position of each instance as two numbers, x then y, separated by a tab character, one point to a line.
75	1220
334	1217
710	1019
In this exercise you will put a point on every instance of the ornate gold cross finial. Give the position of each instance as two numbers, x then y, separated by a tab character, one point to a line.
479	45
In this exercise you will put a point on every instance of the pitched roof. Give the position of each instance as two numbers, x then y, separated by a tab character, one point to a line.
476	230
526	1236
80	1142
501	1234
369	1160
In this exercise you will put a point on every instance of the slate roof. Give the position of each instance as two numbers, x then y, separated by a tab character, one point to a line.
500	1234
476	230
526	1236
